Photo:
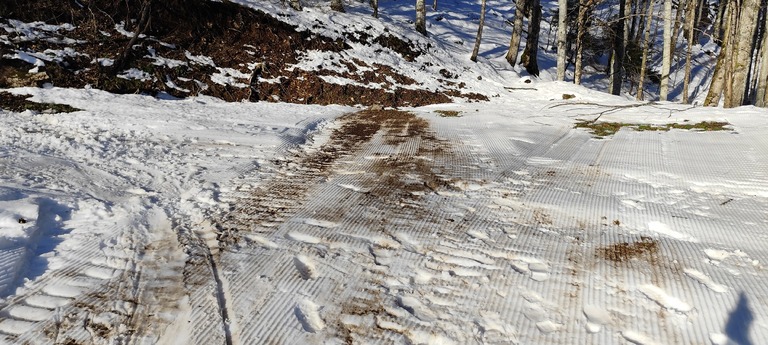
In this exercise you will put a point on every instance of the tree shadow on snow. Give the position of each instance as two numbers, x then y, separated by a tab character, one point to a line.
739	322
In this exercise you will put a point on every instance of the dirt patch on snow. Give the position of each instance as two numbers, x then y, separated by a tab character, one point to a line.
646	249
400	178
18	103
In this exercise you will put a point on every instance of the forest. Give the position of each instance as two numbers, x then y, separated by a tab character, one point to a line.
625	29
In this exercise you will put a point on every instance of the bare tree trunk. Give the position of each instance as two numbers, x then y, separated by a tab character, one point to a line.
645	48
517	32
641	19
562	31
531	52
479	33
762	83
721	17
717	83
122	60
581	21
434	5
617	54
676	30
743	54
337	6
733	25
689	19
375	6
421	17
664	92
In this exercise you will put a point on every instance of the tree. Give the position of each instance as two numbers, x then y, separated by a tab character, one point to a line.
562	31
665	64
421	17
735	60
375	6
617	53
689	19
479	33
337	6
122	60
434	5
762	83
517	31
743	53
644	48
531	52
585	6
717	83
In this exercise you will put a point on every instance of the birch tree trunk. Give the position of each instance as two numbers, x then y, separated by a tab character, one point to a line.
531	52
644	48
743	55
664	91
434	5
517	32
689	18
562	31
421	17
479	33
762	83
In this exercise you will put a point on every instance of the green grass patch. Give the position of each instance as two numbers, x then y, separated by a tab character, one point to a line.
11	102
604	129
448	113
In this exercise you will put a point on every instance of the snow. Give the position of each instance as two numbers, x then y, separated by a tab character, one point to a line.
137	226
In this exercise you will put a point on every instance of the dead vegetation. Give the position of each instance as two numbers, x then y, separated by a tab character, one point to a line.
604	129
188	42
646	248
18	103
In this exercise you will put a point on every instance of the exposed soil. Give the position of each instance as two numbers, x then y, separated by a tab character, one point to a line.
249	41
9	101
624	251
389	180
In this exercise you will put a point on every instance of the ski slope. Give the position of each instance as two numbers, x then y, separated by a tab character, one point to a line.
195	221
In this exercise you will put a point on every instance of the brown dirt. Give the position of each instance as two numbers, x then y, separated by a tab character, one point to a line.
11	102
646	249
390	180
233	36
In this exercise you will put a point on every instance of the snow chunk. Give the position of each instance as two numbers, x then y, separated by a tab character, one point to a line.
309	316
660	296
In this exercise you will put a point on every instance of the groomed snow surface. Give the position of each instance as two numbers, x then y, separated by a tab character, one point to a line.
195	221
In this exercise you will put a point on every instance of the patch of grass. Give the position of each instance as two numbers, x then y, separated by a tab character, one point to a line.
11	102
603	129
447	113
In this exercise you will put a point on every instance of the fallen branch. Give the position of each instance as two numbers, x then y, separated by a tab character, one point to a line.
521	88
614	108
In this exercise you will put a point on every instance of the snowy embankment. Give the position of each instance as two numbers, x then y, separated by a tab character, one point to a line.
198	221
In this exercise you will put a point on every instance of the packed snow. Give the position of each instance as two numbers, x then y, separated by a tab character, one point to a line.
155	220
